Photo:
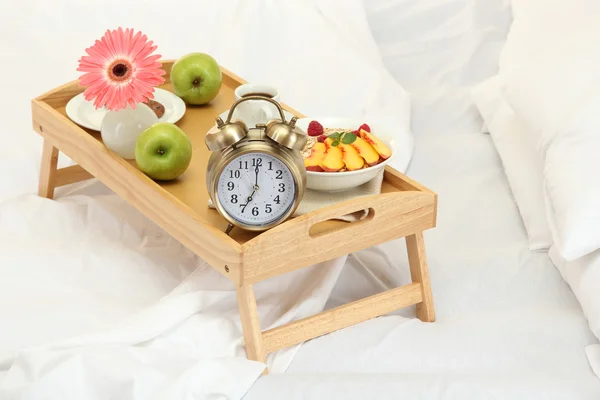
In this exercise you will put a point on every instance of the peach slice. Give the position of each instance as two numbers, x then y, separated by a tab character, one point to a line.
377	144
332	162
313	161
366	151
351	158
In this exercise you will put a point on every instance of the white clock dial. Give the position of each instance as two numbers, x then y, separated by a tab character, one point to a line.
256	188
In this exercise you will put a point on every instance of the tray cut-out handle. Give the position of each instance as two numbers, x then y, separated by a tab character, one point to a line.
318	229
318	236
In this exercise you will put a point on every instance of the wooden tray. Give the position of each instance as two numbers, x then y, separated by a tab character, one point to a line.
404	208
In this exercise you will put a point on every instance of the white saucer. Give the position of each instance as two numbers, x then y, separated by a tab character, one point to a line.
83	112
288	115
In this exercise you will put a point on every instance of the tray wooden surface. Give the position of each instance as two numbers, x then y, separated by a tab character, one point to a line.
180	207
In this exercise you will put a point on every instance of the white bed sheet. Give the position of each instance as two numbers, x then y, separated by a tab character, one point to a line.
97	301
438	50
508	326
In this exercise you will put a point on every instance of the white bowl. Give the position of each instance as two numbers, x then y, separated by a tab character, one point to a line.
337	181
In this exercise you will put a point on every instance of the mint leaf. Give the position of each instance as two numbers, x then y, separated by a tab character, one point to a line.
348	138
335	143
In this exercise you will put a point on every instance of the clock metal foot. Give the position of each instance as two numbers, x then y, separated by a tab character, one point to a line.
229	229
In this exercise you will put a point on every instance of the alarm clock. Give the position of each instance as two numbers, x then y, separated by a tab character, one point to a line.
255	176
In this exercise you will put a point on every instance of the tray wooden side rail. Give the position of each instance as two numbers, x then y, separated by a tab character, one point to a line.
128	182
391	216
405	208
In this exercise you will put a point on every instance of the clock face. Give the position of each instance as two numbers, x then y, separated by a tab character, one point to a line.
256	188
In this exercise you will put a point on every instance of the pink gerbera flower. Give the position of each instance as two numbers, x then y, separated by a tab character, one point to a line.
120	70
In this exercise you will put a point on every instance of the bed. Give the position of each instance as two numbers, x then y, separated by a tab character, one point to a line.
508	326
80	307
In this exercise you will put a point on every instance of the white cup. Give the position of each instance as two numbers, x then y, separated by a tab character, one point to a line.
254	112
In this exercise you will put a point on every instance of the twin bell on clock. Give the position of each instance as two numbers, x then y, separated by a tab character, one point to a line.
256	175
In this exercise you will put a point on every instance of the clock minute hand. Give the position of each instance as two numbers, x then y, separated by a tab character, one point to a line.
254	189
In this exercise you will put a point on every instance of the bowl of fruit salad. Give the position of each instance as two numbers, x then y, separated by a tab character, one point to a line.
342	153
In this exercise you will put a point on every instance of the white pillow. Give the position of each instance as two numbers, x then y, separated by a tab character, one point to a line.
538	24
583	276
532	28
520	160
556	92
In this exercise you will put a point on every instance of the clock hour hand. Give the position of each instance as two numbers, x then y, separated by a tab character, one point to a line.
254	189
248	200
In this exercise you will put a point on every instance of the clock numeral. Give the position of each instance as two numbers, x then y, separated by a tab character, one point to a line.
279	174
255	211
276	199
230	186
281	187
234	198
257	162
235	174
268	208
270	165
243	164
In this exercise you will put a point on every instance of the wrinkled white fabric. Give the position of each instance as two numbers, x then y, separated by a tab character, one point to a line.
507	327
547	94
93	300
438	50
89	290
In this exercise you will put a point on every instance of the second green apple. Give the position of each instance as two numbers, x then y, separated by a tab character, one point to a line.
196	78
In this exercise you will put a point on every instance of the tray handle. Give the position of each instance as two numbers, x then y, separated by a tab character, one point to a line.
301	241
380	208
317	229
383	210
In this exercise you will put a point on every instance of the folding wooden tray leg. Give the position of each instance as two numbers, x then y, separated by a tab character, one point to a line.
253	338
48	170
419	273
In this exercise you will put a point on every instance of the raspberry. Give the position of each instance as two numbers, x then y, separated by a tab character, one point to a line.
356	132
321	138
314	129
365	127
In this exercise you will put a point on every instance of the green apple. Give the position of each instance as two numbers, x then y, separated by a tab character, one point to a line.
163	151
196	78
